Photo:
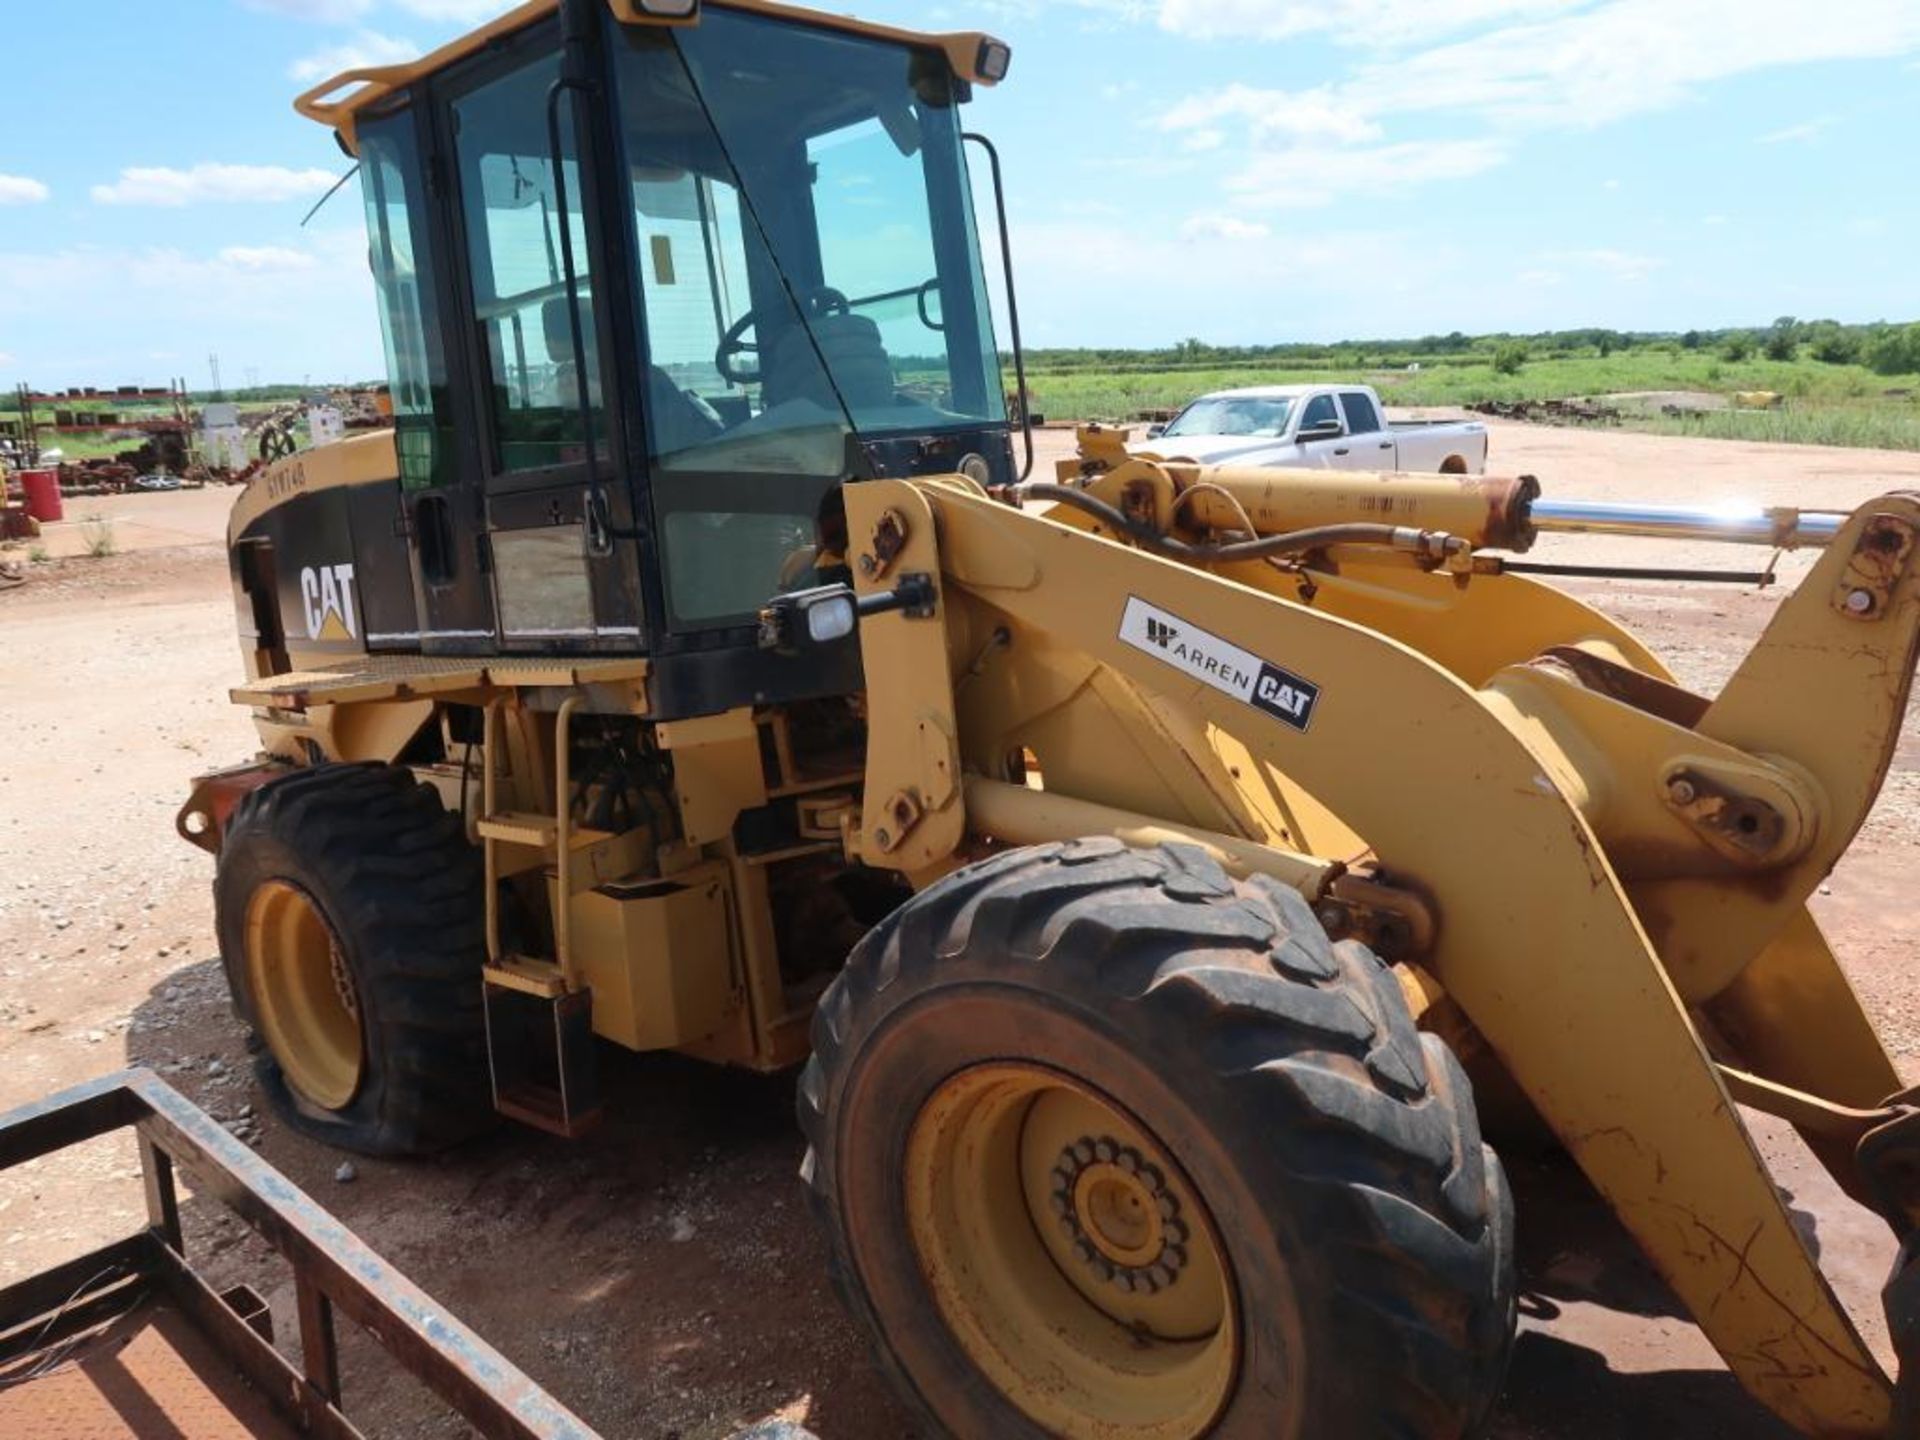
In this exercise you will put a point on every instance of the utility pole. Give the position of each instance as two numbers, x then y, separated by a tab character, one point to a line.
213	363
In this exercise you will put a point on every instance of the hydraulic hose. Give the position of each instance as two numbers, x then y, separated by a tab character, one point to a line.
1293	542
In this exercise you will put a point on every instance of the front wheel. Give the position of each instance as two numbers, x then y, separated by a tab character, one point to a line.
1106	1144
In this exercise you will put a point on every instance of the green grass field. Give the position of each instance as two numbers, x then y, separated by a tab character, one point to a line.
1825	403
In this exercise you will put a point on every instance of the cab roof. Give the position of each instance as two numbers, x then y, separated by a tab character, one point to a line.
969	52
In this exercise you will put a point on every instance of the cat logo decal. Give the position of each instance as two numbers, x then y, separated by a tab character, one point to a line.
326	595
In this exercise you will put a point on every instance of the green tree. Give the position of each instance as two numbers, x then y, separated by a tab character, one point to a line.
1509	356
1690	340
1783	339
1833	344
1894	351
1739	346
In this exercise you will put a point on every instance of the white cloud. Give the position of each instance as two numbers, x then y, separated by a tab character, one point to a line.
6	360
203	183
1540	277
329	12
1624	57
1223	227
19	190
1533	65
368	47
1610	185
1349	22
1307	175
106	301
1791	133
1577	69
466	12
1314	113
260	258
1621	265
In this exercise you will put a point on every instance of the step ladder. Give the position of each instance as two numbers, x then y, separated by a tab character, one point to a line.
539	1009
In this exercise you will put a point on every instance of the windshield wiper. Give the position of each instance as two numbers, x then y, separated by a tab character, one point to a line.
752	212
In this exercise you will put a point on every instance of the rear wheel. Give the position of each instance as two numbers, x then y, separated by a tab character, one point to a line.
350	910
1107	1144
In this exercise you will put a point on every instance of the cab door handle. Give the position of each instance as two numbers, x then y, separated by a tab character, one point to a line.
1340	450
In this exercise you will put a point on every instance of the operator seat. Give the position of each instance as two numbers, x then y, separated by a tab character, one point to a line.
679	420
855	356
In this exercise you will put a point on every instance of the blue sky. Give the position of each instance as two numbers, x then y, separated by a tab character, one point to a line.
1237	170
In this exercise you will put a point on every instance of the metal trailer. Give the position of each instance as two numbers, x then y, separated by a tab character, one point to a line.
130	1340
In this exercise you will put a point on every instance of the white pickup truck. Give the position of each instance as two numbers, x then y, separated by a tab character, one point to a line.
1332	427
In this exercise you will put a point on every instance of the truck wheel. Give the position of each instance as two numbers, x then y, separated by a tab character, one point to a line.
350	913
1107	1144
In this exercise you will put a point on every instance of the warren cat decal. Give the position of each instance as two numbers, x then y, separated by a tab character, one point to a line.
1219	663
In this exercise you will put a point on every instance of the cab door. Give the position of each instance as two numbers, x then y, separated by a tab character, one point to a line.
437	505
1370	443
562	577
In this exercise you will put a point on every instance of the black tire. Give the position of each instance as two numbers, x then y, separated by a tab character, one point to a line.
402	891
1336	1147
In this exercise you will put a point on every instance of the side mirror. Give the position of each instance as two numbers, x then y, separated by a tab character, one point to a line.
1154	432
1323	430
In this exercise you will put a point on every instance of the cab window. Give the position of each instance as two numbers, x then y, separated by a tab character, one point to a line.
1362	417
1319	410
511	204
409	320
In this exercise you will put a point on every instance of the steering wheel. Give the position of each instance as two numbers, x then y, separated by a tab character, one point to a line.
819	302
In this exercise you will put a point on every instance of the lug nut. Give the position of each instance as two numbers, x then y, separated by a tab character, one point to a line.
1860	602
1680	790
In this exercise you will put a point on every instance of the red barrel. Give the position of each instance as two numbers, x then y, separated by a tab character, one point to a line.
42	489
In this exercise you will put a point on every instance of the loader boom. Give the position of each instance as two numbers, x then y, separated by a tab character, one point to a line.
1560	928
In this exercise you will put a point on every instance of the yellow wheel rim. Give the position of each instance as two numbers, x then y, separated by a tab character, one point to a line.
303	995
1070	1256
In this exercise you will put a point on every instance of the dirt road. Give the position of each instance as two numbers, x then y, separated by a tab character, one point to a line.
660	1276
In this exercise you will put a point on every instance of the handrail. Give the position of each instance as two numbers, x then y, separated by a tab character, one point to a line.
563	838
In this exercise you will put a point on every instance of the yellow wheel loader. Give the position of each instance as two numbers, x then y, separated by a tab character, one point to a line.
1146	855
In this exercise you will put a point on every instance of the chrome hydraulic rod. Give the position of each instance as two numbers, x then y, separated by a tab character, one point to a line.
1784	528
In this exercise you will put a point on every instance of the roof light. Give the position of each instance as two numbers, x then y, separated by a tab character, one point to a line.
995	55
672	11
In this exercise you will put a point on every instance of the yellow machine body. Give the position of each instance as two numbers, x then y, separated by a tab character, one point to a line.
1591	882
658	957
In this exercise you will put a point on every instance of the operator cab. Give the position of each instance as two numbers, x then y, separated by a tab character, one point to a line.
651	293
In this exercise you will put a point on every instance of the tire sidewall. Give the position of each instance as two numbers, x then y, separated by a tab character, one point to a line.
254	857
913	1048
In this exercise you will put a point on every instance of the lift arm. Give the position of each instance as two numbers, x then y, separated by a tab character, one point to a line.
1461	796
